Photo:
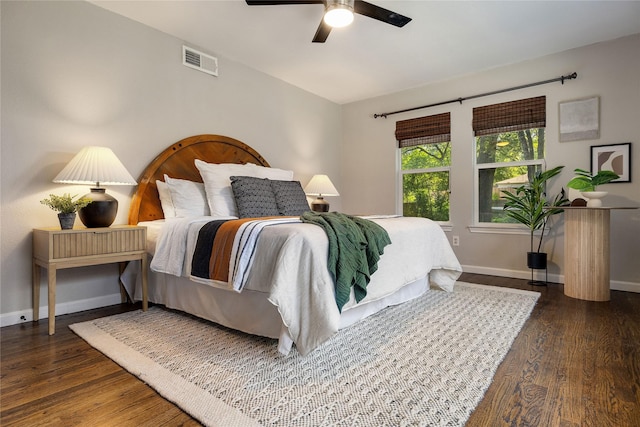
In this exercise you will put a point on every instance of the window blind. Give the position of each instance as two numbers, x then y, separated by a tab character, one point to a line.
510	116
424	130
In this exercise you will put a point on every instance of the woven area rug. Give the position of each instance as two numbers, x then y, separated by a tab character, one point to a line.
427	362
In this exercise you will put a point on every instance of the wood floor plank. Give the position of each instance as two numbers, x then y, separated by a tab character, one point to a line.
575	363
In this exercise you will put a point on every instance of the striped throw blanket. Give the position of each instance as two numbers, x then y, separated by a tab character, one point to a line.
225	249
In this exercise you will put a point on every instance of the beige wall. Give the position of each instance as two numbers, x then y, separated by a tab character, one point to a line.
74	74
610	70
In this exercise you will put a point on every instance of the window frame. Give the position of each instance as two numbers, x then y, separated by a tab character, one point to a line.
505	117
418	131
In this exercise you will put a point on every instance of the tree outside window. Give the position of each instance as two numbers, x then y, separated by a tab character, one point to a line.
425	180
505	161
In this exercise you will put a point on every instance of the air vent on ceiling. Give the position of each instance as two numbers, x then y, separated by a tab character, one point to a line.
199	61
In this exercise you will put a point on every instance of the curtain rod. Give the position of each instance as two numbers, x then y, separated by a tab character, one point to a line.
560	79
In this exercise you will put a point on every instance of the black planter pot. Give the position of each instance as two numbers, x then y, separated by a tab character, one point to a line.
537	261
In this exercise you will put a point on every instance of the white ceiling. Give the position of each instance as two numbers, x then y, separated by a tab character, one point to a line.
369	58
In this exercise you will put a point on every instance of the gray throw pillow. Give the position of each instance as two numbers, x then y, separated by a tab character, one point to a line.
290	198
254	197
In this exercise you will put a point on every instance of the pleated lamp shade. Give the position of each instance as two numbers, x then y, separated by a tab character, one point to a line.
320	186
96	166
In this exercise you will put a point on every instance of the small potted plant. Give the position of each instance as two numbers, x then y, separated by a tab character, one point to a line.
587	184
66	206
529	205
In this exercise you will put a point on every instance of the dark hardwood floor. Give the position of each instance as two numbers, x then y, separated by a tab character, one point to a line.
575	363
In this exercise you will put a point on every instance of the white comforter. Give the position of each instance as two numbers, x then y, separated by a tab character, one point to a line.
290	266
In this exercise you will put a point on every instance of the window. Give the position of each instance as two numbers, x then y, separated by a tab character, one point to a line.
425	164
509	151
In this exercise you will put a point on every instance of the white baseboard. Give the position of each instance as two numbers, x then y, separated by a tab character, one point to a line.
62	308
625	286
615	285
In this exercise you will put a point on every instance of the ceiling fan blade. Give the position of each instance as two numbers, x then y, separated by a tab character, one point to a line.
322	32
277	2
380	13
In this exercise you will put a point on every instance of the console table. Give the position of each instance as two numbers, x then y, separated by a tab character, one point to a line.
587	252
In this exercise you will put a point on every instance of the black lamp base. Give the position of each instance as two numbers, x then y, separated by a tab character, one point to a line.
320	205
102	210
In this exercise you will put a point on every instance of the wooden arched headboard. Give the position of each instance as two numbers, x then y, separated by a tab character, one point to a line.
177	161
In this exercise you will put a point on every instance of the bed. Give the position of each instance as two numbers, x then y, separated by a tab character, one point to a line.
288	293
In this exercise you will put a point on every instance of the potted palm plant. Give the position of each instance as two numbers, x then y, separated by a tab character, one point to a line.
529	205
66	207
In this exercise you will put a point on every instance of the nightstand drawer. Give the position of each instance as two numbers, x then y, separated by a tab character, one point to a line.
62	244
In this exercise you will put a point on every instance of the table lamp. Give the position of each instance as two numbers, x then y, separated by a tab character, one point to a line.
99	166
320	186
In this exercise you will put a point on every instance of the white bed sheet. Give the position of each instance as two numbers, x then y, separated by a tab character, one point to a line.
274	305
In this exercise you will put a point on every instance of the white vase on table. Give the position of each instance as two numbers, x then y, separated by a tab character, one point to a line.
594	198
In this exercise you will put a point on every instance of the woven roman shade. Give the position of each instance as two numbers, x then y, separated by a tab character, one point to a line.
424	130
511	116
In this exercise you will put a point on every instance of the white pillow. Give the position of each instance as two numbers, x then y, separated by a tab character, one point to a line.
273	173
217	185
188	197
165	199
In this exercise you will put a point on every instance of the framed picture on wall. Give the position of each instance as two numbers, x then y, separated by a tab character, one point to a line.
579	119
614	157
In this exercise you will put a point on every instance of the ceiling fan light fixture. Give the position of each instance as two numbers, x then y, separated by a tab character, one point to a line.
339	13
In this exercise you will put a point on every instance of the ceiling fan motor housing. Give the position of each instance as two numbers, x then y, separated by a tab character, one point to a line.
345	4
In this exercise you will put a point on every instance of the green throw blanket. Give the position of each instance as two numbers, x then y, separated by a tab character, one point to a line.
355	246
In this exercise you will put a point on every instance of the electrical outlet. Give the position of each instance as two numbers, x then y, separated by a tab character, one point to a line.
456	240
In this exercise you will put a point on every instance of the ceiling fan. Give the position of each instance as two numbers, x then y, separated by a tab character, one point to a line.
339	13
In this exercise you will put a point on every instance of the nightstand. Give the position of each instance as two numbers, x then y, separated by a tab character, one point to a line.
56	249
